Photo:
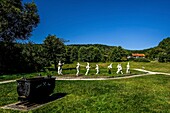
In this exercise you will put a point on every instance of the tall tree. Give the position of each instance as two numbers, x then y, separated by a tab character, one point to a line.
68	54
17	20
9	57
90	54
33	58
82	54
97	55
54	49
74	54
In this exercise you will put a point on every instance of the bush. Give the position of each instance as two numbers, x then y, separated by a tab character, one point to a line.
141	60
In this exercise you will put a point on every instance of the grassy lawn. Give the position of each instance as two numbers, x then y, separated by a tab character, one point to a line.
152	66
143	94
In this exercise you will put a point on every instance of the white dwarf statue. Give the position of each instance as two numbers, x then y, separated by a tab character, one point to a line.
109	67
78	68
119	69
128	68
97	69
87	68
60	68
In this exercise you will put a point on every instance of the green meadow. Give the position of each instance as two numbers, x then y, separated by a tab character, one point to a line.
142	94
135	95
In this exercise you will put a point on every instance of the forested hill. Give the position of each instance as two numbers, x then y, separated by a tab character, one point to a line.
94	45
161	52
109	47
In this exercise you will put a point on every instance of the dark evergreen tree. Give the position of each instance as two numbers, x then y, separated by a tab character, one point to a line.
54	49
33	58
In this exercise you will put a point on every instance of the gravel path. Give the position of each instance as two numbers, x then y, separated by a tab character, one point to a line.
8	81
151	72
82	78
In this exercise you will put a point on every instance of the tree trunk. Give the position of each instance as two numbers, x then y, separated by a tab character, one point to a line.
55	64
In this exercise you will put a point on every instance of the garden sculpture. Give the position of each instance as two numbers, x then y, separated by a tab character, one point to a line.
119	69
97	69
60	68
110	67
87	68
78	68
128	68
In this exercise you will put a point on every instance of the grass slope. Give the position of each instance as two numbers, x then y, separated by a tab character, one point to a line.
136	95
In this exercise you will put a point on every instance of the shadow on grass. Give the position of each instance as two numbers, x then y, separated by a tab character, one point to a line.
69	69
33	104
51	69
53	97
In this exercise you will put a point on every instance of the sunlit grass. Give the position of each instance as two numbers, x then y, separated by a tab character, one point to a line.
135	95
152	66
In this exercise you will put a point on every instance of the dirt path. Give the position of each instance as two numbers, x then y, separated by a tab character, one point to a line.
8	81
151	72
82	78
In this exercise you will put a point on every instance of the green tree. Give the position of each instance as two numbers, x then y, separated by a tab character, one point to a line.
163	57
97	55
33	58
68	54
17	21
90	54
74	54
82	54
117	54
154	53
165	44
164	54
54	49
9	57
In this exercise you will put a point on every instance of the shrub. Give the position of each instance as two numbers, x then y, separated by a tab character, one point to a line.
141	60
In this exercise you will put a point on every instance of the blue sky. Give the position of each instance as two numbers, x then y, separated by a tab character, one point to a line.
132	24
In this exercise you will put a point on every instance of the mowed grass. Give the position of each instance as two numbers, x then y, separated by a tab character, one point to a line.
152	66
142	94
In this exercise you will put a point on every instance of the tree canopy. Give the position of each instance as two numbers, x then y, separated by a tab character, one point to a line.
54	49
17	20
